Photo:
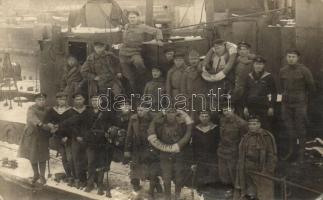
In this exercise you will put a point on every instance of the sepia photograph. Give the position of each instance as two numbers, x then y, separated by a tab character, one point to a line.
161	99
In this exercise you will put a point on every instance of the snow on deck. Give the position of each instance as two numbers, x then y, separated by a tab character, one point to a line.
118	176
16	114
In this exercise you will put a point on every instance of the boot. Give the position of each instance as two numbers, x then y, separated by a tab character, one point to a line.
135	184
158	187
108	194
42	180
89	188
36	173
35	179
100	178
70	181
77	184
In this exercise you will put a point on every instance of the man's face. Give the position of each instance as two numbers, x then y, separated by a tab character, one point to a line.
79	101
169	55
244	51
40	102
95	102
61	101
254	126
258	67
71	61
125	109
179	62
204	118
292	59
133	18
141	111
156	73
171	117
219	49
194	61
99	49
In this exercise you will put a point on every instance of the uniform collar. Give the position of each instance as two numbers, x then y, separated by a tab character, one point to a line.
80	110
206	129
61	110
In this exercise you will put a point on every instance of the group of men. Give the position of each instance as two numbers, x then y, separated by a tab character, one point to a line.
228	147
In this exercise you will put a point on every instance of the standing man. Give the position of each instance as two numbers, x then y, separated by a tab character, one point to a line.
79	125
175	75
62	137
170	133
193	84
242	70
71	81
257	153
218	65
34	144
101	70
144	159
169	55
260	93
296	83
232	129
130	51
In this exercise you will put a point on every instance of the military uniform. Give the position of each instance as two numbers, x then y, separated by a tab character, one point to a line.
79	126
152	87
130	51
174	81
71	81
172	164
242	70
144	159
55	116
296	84
260	95
205	144
232	128
214	65
105	66
257	153
34	144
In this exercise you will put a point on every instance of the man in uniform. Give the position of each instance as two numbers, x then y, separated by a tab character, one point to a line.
257	154
71	81
242	69
79	125
232	129
296	83
218	65
193	84
170	133
62	137
155	86
260	93
175	75
169	55
101	70
130	51
144	159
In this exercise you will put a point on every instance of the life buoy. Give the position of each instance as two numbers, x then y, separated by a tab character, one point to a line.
172	148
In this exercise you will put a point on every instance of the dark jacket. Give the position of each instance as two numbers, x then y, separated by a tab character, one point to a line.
71	79
258	89
34	144
296	83
105	66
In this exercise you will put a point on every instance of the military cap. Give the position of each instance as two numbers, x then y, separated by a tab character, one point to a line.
61	94
259	59
204	112
40	95
253	118
77	94
133	12
293	51
219	42
194	54
243	44
179	54
94	96
98	43
169	49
